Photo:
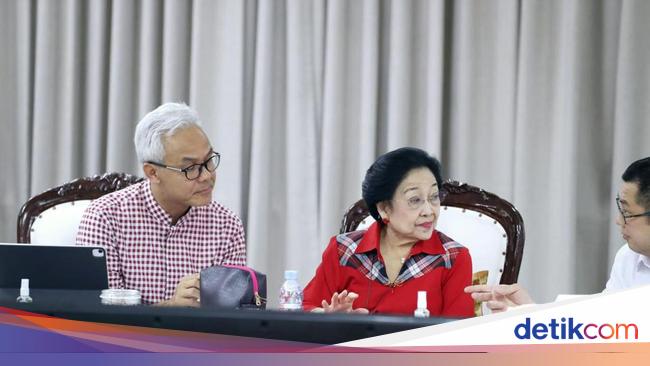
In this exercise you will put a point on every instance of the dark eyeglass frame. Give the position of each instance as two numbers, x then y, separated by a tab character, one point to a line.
203	165
624	216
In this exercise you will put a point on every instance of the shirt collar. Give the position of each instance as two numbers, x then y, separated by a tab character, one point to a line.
370	242
154	208
643	260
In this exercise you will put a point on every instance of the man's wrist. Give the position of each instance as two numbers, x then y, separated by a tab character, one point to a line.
168	302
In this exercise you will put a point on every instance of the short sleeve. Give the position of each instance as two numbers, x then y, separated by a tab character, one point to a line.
96	229
236	251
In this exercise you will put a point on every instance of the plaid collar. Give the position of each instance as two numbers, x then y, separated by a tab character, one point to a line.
360	250
156	211
370	242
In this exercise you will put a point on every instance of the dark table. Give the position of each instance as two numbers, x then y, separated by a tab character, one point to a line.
85	305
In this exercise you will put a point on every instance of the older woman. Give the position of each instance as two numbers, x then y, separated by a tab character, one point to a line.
380	270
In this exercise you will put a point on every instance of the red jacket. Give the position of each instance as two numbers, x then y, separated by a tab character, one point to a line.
353	262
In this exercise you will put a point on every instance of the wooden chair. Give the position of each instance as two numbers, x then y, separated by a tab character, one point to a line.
53	216
489	226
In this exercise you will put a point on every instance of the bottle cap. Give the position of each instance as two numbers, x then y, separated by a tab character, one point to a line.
422	299
24	287
290	275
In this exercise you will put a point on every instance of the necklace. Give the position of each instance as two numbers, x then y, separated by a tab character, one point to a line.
389	251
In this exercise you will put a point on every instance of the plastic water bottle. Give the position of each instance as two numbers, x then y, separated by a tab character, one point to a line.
422	311
291	292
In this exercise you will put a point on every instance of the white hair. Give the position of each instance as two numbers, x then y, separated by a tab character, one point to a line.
162	122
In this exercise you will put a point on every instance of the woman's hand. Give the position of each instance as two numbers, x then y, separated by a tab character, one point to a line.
341	303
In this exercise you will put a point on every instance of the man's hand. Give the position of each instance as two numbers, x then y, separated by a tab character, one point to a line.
187	292
341	303
498	298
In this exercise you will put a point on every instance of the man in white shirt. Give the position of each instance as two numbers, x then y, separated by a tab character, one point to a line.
630	269
632	263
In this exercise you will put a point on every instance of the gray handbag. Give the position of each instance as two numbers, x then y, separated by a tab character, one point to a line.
233	287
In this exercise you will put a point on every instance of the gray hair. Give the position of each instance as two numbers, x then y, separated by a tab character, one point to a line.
162	122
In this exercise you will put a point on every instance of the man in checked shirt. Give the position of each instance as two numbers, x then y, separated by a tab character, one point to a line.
160	233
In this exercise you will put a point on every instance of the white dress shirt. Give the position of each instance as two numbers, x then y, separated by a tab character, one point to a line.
630	269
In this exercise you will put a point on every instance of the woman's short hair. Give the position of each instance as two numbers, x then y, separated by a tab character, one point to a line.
387	172
162	122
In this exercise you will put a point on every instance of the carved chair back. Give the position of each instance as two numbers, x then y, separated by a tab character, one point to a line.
53	216
489	226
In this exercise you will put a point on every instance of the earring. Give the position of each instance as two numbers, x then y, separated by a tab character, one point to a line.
385	221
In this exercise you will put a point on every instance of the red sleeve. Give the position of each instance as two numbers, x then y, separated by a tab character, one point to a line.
455	301
96	230
326	279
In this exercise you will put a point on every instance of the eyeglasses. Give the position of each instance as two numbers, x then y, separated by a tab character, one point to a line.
416	202
626	215
194	171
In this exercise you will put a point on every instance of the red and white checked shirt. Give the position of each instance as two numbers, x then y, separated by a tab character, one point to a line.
144	251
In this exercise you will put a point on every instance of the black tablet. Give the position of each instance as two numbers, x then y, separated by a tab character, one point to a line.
53	267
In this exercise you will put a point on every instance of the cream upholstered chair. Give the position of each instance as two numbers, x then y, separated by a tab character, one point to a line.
489	226
53	216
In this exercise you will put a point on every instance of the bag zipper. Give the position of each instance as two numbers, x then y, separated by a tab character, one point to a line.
256	290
